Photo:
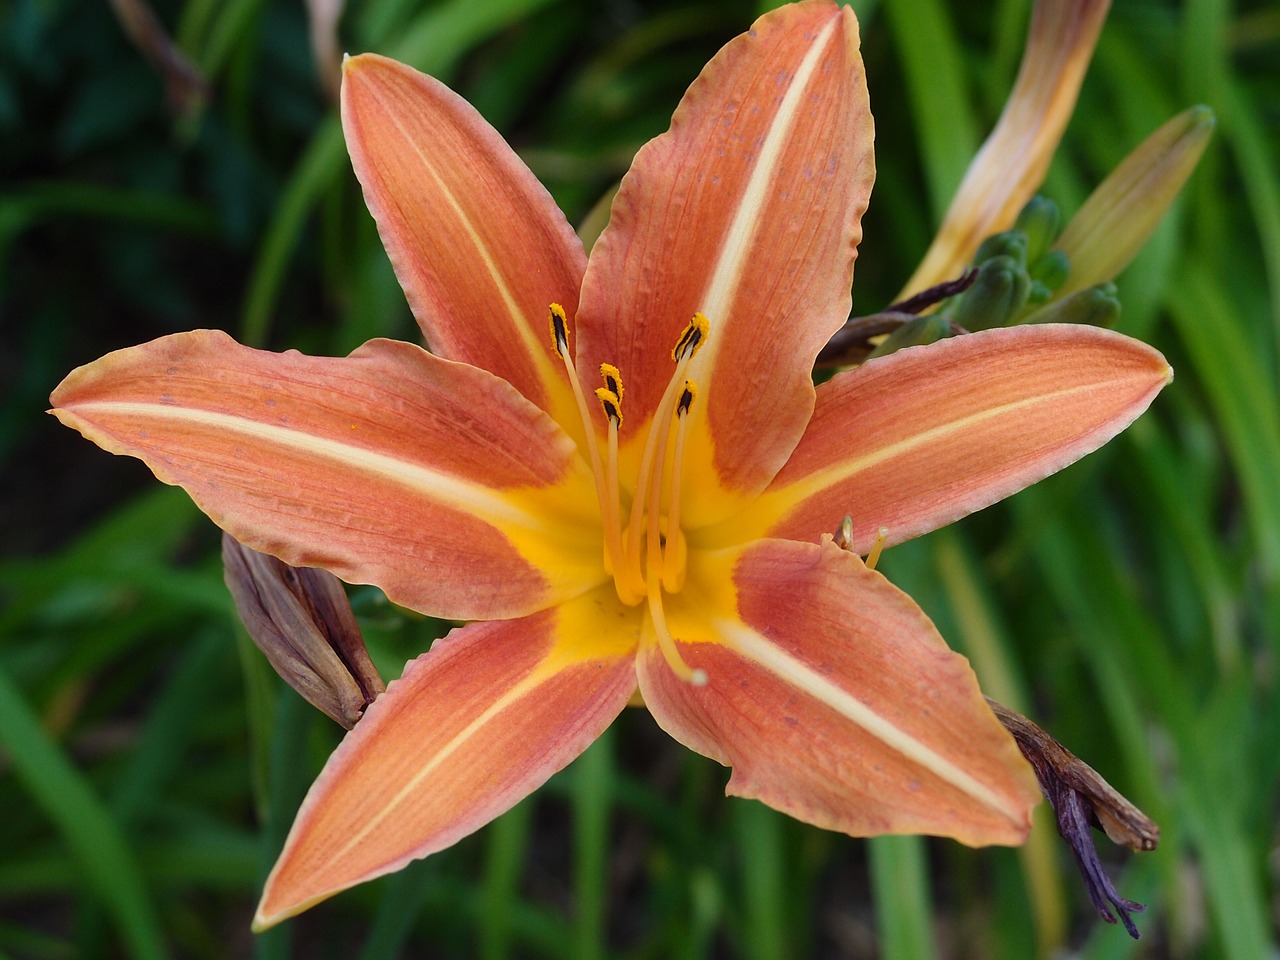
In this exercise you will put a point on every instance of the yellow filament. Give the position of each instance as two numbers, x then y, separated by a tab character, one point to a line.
877	548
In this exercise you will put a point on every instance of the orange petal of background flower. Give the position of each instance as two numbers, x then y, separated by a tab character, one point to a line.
477	243
473	726
927	435
747	210
835	701
436	481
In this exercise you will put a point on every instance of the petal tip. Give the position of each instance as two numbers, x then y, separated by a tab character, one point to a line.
276	906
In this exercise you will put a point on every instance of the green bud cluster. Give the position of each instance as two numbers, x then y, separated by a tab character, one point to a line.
1019	274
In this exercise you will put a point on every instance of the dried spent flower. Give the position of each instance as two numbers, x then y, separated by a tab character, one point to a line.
301	619
1081	798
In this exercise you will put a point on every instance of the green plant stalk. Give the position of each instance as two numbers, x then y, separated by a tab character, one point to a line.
83	821
903	906
758	834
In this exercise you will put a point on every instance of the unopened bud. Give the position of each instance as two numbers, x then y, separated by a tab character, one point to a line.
1081	798
1050	268
1114	223
995	298
1006	243
1012	162
1097	306
1038	222
301	619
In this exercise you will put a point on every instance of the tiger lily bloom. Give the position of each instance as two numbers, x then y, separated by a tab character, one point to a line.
619	473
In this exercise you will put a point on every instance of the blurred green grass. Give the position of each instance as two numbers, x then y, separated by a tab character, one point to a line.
150	762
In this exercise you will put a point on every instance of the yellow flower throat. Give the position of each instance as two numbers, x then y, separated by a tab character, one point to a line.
645	552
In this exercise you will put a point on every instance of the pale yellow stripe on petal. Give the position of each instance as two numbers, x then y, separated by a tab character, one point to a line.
791	494
534	345
488	505
719	295
755	647
411	785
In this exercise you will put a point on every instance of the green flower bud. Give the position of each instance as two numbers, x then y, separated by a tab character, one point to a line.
1051	269
1007	243
1098	306
995	298
1040	221
1126	208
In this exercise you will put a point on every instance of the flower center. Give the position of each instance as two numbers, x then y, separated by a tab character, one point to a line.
644	547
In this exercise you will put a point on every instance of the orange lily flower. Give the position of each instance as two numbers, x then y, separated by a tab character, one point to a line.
639	501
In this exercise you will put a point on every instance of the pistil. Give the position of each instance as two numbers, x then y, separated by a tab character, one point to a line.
666	643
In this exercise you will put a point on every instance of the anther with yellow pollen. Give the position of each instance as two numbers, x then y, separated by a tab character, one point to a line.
649	554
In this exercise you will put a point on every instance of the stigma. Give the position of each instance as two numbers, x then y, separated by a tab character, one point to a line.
645	550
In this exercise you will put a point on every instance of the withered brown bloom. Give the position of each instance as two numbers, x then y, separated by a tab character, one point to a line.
1082	799
301	619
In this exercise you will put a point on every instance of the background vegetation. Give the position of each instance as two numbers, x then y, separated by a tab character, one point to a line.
149	760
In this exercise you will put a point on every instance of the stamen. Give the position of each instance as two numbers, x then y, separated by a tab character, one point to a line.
655	447
611	507
675	551
877	548
666	644
611	403
612	377
694	335
559	323
686	398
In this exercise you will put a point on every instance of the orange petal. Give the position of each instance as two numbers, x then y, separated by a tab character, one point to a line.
472	727
747	210
835	701
436	481
478	245
927	435
1011	165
